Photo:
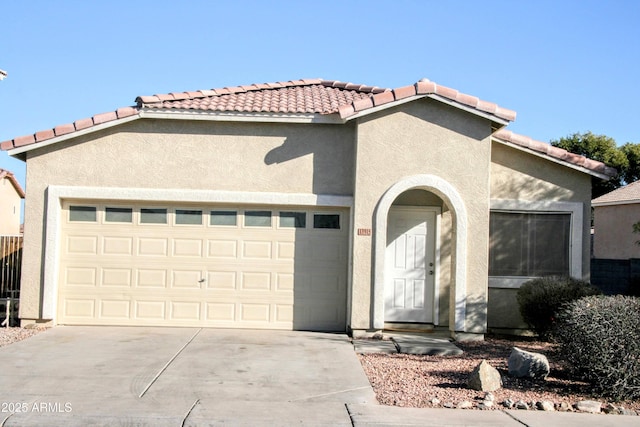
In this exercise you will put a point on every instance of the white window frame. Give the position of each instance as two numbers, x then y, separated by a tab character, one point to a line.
576	212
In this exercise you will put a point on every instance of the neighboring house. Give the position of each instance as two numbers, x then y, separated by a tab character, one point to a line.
307	204
615	213
11	195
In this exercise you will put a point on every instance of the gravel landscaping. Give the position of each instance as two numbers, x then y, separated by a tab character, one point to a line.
440	381
11	335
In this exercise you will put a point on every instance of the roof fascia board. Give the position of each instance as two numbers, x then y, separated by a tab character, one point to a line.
552	159
15	152
435	97
240	117
618	202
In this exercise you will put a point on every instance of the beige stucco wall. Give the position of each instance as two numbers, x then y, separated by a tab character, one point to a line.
10	206
422	137
190	155
516	175
613	232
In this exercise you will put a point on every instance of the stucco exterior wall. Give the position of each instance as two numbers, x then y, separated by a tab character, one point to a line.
613	232
190	155
10	206
516	175
422	137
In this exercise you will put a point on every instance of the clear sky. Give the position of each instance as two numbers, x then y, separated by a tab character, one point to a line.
565	66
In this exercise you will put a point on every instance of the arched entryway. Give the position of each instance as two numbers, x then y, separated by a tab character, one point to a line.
386	211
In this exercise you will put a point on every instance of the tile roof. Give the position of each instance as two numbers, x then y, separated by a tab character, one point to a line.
555	152
9	175
628	194
307	96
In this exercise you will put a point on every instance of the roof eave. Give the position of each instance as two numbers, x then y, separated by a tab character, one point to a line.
615	203
20	152
553	159
234	116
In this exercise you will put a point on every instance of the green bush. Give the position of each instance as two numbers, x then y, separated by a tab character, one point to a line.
599	341
540	299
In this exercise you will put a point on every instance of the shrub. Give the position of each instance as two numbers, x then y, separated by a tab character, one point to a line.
599	341
540	299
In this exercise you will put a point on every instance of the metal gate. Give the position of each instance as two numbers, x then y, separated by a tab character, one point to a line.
10	268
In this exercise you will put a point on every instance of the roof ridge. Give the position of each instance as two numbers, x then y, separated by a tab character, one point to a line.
426	87
555	152
144	100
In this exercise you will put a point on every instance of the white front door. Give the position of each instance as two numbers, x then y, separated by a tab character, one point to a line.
410	265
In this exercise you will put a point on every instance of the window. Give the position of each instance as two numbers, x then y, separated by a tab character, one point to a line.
326	221
293	219
82	213
153	216
257	218
529	244
118	214
189	217
224	218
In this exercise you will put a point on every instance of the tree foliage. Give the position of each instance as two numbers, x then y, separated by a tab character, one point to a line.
625	159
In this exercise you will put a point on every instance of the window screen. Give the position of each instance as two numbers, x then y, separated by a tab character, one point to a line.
529	244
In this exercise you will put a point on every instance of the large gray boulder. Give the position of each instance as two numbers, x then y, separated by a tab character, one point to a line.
484	378
526	364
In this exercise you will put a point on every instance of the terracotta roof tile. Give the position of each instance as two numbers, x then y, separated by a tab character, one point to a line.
304	96
64	129
555	152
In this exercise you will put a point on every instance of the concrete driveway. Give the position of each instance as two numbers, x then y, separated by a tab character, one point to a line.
137	376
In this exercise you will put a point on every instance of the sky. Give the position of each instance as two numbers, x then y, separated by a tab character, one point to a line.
564	66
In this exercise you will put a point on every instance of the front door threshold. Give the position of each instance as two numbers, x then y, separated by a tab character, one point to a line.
409	327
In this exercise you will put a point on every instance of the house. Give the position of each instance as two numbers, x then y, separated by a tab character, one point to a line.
614	215
11	195
307	204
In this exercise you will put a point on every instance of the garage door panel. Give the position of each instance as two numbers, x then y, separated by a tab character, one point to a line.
117	246
256	249
149	310
115	309
80	276
222	280
186	279
82	245
223	249
152	278
116	277
202	275
148	246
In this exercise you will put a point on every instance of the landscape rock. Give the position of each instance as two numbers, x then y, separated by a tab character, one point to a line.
435	401
564	407
465	404
526	364
521	404
448	405
484	378
545	405
489	397
508	403
590	406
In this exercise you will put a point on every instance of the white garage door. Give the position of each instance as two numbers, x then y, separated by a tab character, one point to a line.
217	266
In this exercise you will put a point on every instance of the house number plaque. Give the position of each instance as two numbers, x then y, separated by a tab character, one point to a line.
364	232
